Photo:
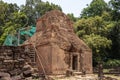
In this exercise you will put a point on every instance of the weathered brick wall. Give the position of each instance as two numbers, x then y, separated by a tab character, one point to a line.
14	57
59	46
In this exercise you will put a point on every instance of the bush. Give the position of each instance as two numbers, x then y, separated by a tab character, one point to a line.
112	63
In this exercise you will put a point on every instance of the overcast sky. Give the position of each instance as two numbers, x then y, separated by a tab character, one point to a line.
68	6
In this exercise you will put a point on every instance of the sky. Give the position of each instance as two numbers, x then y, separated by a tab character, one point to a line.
68	6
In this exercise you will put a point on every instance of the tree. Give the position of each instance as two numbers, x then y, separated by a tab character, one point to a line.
115	31
115	6
94	31
5	13
2	15
98	44
96	8
71	16
115	37
17	20
10	20
96	25
36	8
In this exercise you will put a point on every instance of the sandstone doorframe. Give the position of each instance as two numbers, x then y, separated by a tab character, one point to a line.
75	61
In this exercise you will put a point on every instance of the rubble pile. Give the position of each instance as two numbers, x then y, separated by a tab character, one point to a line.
16	63
26	73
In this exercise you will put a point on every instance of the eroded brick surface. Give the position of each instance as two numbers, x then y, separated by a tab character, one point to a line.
58	46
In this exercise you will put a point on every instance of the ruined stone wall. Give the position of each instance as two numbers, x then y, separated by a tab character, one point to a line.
59	65
14	57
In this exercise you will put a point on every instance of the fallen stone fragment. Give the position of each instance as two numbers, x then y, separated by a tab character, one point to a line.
3	74
27	73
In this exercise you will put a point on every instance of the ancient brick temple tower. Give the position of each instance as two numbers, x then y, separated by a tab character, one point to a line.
58	46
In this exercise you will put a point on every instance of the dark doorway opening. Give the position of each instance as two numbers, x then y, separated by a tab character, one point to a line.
74	62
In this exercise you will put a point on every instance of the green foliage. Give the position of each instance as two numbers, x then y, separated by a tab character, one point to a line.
115	37
106	16
11	20
96	8
36	8
99	28
115	6
17	20
112	63
98	44
96	25
6	32
97	41
94	31
71	16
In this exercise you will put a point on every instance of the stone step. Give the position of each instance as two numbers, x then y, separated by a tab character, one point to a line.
77	73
